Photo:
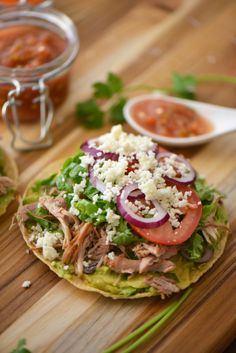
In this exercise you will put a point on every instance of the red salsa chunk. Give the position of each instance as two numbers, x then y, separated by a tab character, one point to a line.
16	2
29	47
169	119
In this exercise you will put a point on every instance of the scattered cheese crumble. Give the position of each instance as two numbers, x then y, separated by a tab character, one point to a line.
112	218
46	241
119	141
26	284
147	172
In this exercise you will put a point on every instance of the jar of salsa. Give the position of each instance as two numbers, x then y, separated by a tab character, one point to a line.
28	3
37	49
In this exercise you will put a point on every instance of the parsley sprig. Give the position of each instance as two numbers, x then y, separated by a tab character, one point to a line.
109	97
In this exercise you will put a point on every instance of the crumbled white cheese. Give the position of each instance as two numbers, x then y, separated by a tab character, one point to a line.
110	232
66	267
99	211
111	255
118	141
36	231
86	160
112	218
47	241
26	284
146	171
95	198
79	188
85	263
73	210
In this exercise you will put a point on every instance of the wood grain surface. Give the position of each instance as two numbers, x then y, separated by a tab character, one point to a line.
143	41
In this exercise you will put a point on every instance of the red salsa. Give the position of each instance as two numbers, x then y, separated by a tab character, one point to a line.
29	47
16	2
169	119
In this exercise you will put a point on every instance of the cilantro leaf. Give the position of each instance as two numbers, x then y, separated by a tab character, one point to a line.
184	85
107	89
89	114
101	90
116	111
21	347
114	82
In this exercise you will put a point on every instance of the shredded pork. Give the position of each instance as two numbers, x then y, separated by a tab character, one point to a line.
162	251
57	207
121	264
74	251
86	246
5	184
165	286
22	213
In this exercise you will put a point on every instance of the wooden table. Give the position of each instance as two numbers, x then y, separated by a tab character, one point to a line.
144	41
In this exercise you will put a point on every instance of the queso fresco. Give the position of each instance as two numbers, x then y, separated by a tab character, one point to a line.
169	119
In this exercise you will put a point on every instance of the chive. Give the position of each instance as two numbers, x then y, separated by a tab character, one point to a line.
216	78
157	321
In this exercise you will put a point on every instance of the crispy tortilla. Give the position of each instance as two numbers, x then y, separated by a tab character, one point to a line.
186	275
10	170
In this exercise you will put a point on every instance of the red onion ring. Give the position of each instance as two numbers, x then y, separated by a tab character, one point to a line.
96	153
183	180
205	257
155	149
136	195
135	219
96	182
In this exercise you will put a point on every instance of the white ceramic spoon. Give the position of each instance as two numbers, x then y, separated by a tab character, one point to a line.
223	120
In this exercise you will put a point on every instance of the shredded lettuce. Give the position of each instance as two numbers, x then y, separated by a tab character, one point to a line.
70	173
205	192
195	247
125	236
90	212
44	223
48	182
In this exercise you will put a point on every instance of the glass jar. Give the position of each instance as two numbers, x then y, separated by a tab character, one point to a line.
35	70
26	3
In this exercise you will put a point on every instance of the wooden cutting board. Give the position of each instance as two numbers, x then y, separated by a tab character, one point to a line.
144	41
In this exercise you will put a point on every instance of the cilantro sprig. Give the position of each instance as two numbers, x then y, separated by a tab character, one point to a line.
107	102
20	348
109	97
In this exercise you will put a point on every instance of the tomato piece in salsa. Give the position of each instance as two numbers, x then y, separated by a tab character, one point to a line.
30	47
169	119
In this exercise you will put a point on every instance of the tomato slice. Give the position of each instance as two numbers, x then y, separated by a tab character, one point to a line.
165	234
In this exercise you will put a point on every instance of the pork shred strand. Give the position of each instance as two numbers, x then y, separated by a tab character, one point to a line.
5	184
165	286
